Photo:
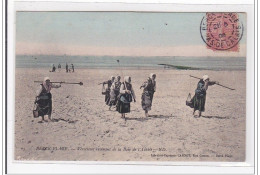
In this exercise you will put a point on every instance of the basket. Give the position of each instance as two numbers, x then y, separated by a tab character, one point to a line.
35	113
189	102
104	91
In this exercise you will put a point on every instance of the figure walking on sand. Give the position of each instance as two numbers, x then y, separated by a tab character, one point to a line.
53	68
44	98
114	92
109	84
148	92
67	68
199	99
72	67
125	97
59	67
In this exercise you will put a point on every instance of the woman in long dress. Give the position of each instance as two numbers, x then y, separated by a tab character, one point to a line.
114	92
199	99
148	92
109	84
125	97
44	98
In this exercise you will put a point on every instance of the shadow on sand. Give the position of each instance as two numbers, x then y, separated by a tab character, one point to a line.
61	119
42	121
150	117
162	116
217	117
137	119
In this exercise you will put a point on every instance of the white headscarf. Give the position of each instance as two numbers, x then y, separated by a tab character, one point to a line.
117	79
47	87
45	79
127	79
205	77
152	74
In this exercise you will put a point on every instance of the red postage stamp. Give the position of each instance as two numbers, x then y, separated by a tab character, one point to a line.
221	31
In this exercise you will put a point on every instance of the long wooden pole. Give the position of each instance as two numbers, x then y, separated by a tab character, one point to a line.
61	82
216	84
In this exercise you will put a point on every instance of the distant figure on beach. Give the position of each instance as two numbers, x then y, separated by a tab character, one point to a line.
125	97
148	92
107	93
59	67
44	98
114	91
67	68
199	99
72	67
53	68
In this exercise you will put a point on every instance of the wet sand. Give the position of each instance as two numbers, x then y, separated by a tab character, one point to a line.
84	128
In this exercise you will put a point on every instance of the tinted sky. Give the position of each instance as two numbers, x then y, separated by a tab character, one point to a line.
109	33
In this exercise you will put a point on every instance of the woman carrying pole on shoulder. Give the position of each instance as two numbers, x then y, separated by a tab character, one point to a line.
114	92
199	99
148	92
44	98
125	97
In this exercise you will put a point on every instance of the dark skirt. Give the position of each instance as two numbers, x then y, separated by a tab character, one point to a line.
44	106
123	103
199	102
147	99
107	97
123	107
113	98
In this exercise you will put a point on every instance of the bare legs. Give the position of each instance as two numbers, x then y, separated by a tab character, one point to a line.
146	113
194	113
49	118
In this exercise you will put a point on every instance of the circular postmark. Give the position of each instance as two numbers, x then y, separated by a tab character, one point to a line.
221	31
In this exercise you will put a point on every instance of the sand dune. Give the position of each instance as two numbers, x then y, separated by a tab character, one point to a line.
84	128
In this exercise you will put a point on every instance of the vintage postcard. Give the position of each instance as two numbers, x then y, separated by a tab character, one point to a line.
130	86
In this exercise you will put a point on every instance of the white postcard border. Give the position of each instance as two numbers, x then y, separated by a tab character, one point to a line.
135	167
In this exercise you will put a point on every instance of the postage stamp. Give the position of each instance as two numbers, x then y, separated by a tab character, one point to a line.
221	31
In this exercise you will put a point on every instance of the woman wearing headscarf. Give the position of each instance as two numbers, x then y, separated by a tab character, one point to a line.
114	92
148	92
109	84
125	97
199	99
44	98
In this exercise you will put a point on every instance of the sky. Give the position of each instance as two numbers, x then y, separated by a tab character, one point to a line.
115	34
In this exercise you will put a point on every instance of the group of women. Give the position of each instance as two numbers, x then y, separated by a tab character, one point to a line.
121	94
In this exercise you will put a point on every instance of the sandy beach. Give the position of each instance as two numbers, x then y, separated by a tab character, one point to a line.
84	128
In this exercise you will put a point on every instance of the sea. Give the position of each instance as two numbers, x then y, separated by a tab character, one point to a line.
112	62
